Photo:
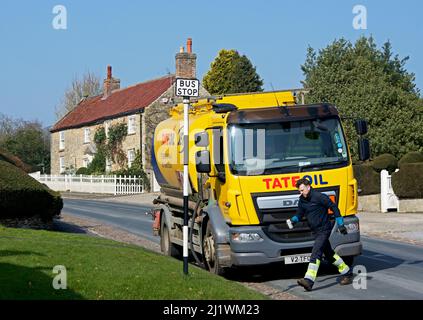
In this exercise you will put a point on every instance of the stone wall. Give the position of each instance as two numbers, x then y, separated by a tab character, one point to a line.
73	151
410	205
370	203
76	150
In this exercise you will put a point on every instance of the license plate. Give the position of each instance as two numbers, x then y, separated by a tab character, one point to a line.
298	258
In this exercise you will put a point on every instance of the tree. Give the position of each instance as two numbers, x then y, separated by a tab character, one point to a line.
232	73
366	82
7	126
27	140
88	86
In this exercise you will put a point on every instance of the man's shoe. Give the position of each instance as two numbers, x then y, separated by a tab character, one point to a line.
346	279
305	283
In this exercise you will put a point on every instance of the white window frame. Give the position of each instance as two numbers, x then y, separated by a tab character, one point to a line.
61	140
132	124
87	134
106	127
129	153
85	162
62	166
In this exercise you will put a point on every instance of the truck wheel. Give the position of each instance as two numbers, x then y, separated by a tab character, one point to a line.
210	252
167	247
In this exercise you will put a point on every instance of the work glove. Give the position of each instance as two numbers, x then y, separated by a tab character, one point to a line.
341	227
343	230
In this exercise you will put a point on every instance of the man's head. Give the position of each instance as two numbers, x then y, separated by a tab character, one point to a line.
303	186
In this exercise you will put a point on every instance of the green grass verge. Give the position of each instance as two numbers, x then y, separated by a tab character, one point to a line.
100	269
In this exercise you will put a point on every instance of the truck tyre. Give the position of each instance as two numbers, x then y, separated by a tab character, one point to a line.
210	252
167	247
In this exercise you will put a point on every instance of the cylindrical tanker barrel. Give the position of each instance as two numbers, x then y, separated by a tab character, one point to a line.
168	155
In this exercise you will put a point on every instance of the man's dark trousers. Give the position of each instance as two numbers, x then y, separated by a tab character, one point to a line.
322	246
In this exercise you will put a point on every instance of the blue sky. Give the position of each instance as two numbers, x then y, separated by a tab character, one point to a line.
140	39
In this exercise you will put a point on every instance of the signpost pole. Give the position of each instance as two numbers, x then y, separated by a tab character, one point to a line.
186	88
186	146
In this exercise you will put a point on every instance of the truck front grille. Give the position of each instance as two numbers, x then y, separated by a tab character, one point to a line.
274	208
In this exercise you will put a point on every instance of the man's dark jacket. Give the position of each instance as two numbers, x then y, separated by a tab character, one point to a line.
315	209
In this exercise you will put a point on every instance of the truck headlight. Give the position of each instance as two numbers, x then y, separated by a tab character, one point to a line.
352	227
246	237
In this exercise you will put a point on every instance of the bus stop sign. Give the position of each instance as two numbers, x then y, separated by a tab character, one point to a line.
187	87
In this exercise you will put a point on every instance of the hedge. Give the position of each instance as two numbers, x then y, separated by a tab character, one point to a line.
22	196
368	179
411	157
385	161
6	156
407	182
83	171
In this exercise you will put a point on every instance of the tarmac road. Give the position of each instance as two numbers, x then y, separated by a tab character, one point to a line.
393	270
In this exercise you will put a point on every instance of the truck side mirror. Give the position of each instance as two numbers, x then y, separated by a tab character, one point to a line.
361	127
202	161
363	149
202	139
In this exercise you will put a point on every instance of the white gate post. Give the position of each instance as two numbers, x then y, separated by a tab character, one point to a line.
388	199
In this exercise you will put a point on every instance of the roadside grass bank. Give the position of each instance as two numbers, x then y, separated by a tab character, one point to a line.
98	268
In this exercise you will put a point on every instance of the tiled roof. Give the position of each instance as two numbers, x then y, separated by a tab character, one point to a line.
120	102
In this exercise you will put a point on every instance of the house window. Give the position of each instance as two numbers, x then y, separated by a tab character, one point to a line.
131	157
106	128
85	163
62	164
62	140
87	133
131	125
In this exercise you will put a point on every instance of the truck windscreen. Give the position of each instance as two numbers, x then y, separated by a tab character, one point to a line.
295	146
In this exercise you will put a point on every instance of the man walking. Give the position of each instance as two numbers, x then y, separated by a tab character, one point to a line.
314	206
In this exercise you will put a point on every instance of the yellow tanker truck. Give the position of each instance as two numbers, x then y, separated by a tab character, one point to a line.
246	153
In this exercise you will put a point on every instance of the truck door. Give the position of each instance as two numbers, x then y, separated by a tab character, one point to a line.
219	184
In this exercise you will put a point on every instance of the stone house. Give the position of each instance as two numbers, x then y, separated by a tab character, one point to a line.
141	106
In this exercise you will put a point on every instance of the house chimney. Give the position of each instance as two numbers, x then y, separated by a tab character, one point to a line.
189	45
109	72
186	62
110	84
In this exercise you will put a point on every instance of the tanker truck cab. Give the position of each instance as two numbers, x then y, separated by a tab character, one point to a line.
247	153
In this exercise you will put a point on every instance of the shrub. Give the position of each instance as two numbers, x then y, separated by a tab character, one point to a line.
83	171
385	161
411	157
23	196
98	165
367	178
407	182
5	156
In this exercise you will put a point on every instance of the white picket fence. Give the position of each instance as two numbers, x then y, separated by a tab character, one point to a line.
388	199
116	185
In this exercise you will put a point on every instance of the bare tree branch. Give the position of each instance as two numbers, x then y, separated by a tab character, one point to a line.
88	86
